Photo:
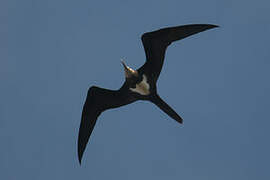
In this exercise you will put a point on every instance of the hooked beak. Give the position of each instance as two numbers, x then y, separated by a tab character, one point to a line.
128	71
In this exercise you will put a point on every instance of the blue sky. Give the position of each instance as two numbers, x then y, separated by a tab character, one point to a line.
218	81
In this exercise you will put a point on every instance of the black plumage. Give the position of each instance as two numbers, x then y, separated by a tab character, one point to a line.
140	84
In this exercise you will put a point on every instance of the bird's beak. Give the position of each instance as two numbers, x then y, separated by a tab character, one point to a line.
128	71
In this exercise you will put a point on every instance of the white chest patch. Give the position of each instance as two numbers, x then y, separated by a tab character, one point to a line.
142	88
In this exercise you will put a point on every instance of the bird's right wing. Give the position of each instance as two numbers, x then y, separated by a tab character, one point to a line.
155	44
97	101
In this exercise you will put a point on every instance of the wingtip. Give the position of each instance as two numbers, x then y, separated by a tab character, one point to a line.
80	159
210	26
80	154
215	26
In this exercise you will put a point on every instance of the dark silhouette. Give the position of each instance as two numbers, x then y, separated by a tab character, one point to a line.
140	84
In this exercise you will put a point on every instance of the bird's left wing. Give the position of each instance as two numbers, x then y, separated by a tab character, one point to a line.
97	101
155	44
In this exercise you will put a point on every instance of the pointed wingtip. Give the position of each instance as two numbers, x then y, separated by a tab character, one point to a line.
80	154
207	26
210	26
215	26
80	158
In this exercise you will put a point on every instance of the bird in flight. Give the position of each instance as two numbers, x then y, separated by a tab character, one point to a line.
139	84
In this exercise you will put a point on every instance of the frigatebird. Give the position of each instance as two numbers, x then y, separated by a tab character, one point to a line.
139	84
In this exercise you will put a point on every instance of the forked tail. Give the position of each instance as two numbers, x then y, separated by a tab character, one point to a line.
166	108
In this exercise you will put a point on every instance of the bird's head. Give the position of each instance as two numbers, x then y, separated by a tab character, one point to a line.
129	72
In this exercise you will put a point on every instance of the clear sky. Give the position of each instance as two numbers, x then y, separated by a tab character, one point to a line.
51	51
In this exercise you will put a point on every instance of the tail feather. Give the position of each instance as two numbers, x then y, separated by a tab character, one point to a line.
166	108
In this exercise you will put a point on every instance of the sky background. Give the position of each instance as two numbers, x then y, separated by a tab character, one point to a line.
52	51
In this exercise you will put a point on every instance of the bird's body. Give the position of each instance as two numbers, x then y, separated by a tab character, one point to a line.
140	84
142	88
